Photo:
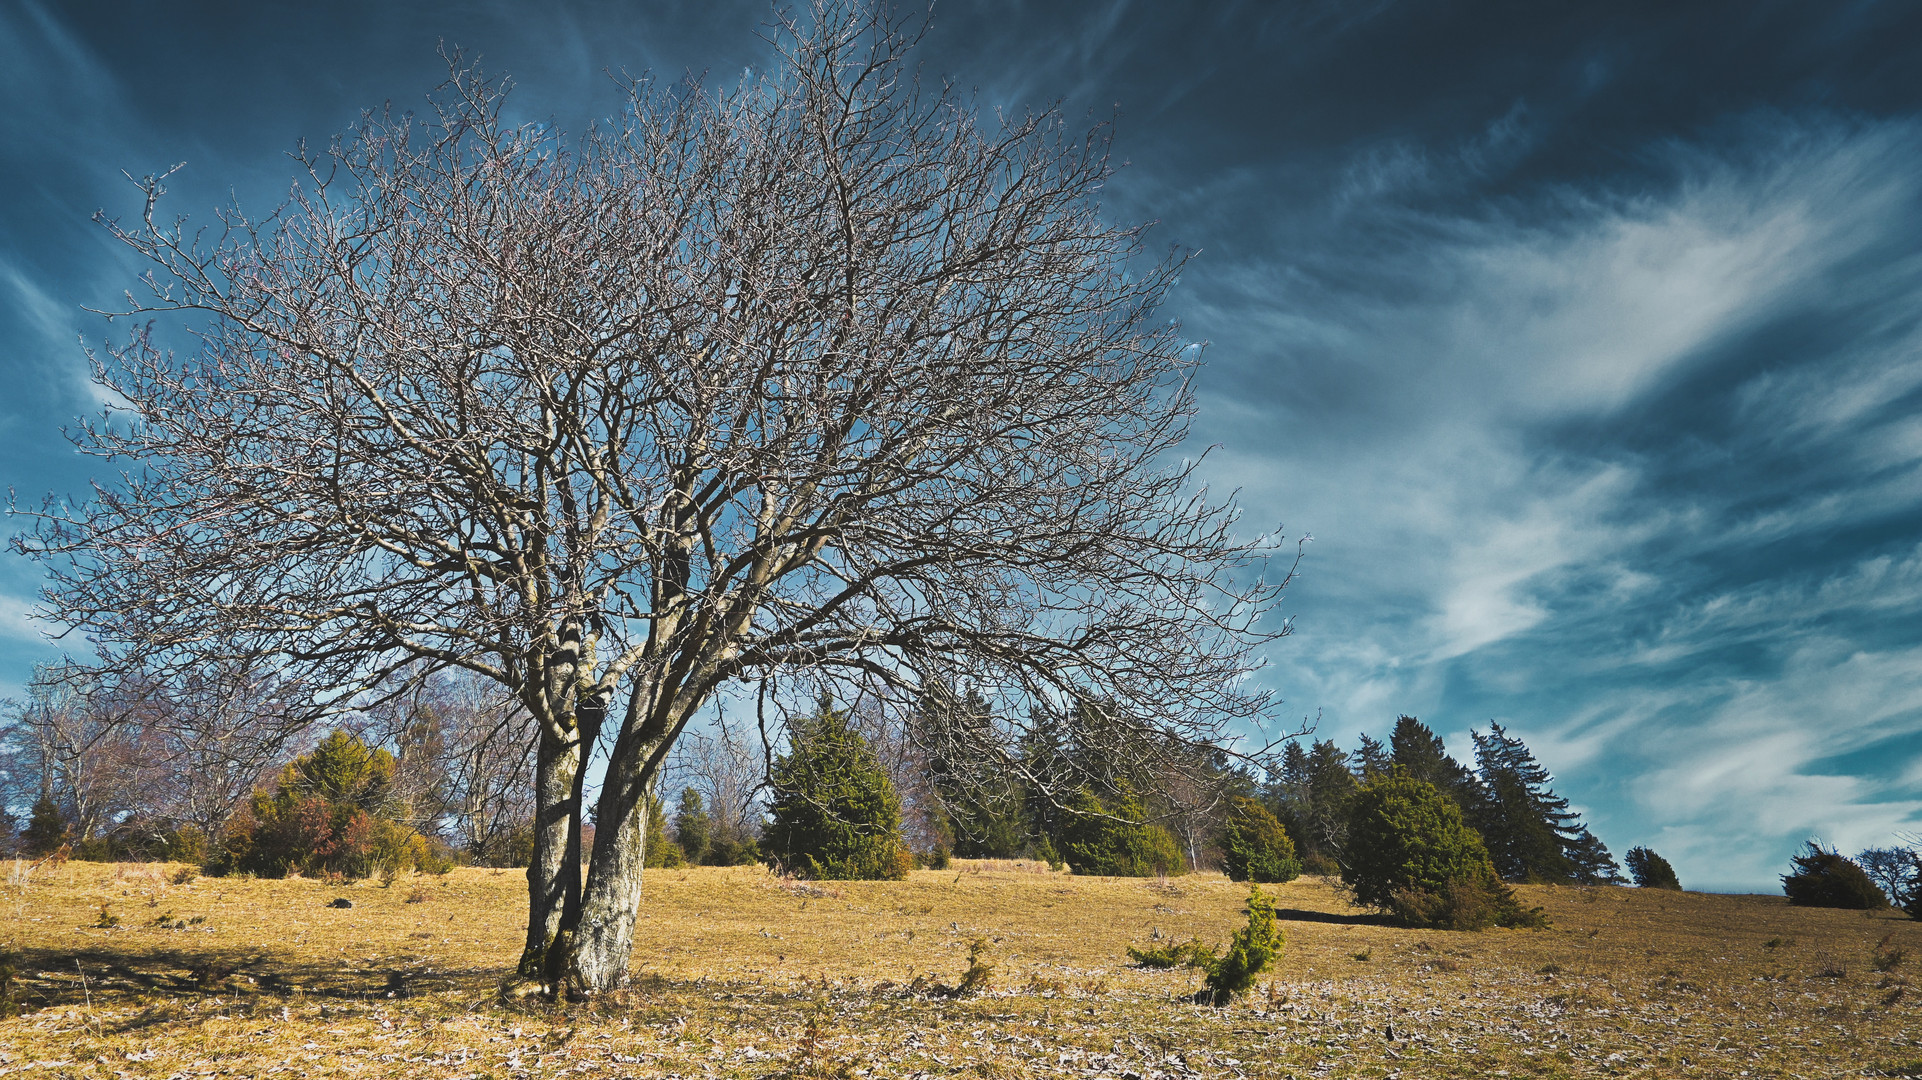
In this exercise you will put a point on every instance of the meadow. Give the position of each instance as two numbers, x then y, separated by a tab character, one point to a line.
147	971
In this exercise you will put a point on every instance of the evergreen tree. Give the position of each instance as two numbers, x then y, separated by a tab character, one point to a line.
1531	833
981	806
1371	760
835	813
1112	837
1254	845
1829	879
1413	856
1650	870
1416	749
660	850
692	826
1310	798
46	829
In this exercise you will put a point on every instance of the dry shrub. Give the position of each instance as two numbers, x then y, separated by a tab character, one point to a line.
979	978
1887	956
418	894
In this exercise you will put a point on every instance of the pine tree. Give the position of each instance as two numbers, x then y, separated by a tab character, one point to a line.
1531	833
1650	870
835	813
1310	798
692	825
1420	752
660	850
981	807
1371	760
46	829
1112	837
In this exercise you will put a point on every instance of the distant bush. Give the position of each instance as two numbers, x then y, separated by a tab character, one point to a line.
937	859
835	814
1410	855
1830	879
1650	870
46	830
1254	845
326	815
1113	838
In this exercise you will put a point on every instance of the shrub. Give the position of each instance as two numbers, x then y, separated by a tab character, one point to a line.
1115	839
1254	845
835	812
324	817
1828	879
1650	870
1410	855
1193	953
938	859
1251	951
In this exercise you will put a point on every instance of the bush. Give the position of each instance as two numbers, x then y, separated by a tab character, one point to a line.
938	859
1251	951
835	812
1192	953
1115	839
1650	870
1254	845
46	830
1828	879
1410	855
323	817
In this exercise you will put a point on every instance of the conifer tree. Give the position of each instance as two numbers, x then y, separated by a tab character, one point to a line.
46	829
835	813
1531	833
1113	837
981	804
1416	749
1371	760
1310	797
661	851
1650	870
692	826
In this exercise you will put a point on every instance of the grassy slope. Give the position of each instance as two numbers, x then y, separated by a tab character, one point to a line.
751	976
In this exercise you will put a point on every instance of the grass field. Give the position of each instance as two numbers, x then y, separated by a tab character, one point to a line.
744	974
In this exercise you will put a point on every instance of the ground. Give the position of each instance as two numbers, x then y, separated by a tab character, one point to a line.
745	974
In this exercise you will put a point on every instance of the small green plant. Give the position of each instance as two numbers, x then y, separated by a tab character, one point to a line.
1251	951
184	875
106	920
1192	953
1778	943
979	977
1364	955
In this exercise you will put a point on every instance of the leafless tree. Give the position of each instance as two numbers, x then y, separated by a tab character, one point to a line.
819	377
464	761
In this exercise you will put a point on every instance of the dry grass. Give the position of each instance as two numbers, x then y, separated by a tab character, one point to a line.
747	975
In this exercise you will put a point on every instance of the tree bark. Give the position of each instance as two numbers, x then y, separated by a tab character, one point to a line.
602	938
554	873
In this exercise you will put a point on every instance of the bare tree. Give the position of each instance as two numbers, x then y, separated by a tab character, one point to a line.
464	762
820	377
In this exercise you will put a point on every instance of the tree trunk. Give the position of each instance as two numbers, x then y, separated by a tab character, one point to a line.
602	940
554	874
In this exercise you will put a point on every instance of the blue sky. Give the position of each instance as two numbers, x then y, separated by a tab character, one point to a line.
1585	344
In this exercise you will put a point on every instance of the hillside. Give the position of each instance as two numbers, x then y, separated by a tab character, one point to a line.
750	975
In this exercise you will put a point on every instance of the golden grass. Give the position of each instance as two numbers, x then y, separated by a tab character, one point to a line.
743	974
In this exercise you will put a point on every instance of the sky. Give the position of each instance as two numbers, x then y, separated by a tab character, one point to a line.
1583	340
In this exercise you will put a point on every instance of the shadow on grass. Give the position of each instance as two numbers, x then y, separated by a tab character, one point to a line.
1340	919
107	976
